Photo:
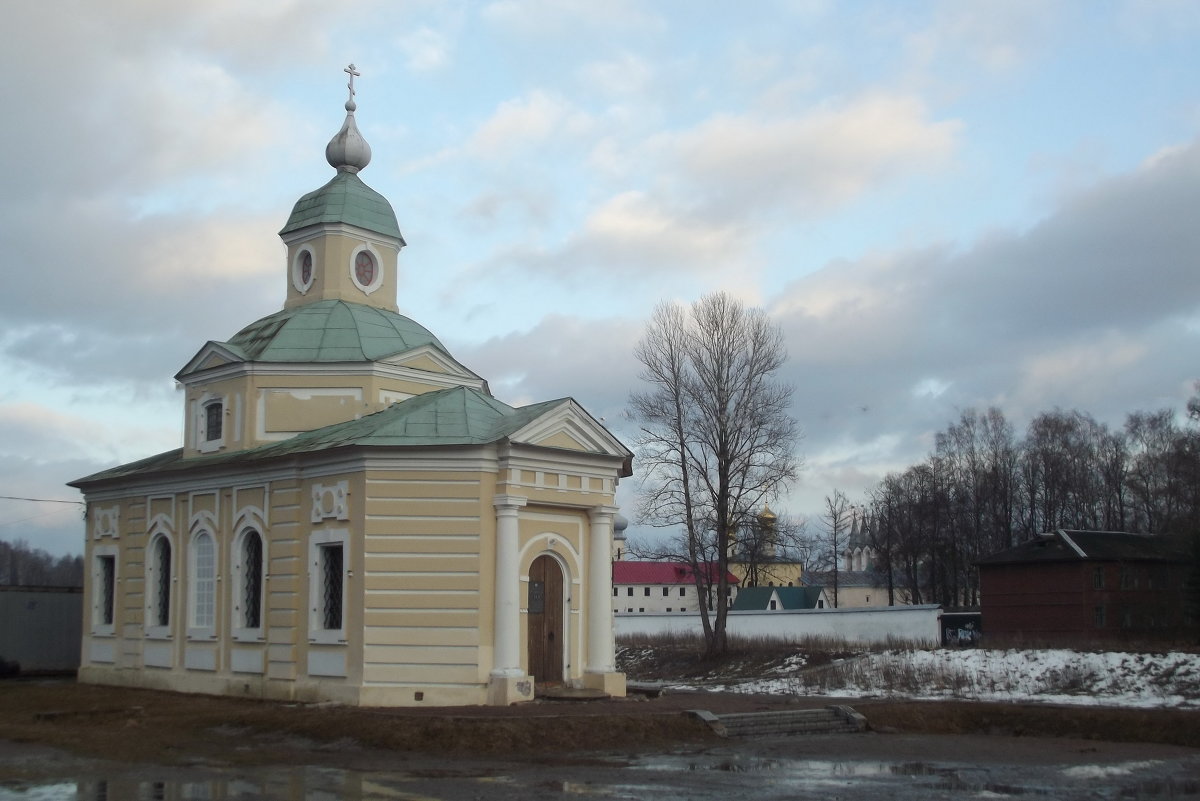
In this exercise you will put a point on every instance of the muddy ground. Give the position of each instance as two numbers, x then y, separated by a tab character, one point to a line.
130	725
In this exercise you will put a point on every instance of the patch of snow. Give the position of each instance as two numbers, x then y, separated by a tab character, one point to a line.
1106	771
1056	675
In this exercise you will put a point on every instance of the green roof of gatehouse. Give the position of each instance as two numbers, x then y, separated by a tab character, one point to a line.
757	598
345	199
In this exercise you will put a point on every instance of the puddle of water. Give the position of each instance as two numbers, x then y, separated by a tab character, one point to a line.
949	779
663	778
39	792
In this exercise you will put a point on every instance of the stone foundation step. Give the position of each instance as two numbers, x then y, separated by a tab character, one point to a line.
827	720
559	692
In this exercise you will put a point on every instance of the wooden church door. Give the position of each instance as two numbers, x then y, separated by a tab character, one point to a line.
546	621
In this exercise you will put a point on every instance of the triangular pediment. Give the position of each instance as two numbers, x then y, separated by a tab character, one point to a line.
568	426
423	361
562	439
212	355
431	360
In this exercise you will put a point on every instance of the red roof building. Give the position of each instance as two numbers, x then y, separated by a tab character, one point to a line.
658	587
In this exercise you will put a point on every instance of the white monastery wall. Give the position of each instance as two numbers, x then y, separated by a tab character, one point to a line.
917	624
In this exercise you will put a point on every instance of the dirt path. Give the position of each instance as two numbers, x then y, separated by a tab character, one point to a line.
164	728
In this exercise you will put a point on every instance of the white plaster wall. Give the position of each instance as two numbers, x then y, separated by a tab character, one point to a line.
655	602
917	624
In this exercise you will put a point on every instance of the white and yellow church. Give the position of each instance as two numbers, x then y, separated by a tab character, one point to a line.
353	517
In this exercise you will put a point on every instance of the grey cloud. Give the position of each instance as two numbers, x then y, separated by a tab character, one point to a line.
53	527
590	360
1099	294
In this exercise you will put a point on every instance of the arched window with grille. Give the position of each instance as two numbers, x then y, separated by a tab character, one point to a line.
203	585
248	606
158	586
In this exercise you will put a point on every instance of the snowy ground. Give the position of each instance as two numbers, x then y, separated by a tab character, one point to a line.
1052	676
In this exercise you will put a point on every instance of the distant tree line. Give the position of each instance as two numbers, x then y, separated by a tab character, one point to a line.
23	565
983	490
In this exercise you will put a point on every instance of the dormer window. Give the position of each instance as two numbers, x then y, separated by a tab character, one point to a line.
209	417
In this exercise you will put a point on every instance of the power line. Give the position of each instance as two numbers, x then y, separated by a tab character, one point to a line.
6	523
38	500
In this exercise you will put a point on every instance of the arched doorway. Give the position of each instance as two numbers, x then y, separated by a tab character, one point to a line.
546	633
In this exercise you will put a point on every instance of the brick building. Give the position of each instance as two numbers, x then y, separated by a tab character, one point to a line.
1073	587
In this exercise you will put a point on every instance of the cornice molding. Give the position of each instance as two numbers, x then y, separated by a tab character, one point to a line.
378	369
318	230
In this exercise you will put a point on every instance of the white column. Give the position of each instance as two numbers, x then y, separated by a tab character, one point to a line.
506	628
600	619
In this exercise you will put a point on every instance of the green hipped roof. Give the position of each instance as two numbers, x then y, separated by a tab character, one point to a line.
345	199
447	417
330	331
757	598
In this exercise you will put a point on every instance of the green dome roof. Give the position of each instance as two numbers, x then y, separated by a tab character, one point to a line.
331	331
345	199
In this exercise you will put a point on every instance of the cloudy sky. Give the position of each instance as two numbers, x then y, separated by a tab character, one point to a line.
944	204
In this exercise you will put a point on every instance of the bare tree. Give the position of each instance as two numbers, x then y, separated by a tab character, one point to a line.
716	440
982	490
836	518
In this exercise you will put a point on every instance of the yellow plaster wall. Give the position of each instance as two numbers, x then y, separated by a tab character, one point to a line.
777	573
290	410
266	408
332	267
428	584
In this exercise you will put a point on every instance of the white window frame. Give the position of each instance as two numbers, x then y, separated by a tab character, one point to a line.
377	280
196	630
297	279
316	585
100	553
153	630
238	572
200	429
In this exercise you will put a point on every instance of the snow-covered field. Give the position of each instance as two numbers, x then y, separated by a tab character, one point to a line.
1056	676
